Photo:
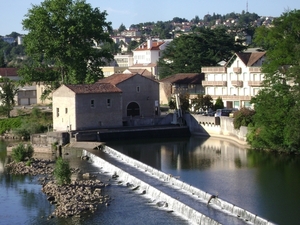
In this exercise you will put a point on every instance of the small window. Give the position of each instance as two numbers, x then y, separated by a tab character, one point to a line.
137	89
57	112
66	110
108	102
92	103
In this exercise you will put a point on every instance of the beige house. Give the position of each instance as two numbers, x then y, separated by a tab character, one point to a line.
181	83
237	81
140	94
85	107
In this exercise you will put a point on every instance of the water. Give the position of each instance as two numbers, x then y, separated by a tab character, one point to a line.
22	201
263	183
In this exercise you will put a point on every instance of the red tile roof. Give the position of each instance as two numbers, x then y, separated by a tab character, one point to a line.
8	72
144	46
93	88
118	78
184	78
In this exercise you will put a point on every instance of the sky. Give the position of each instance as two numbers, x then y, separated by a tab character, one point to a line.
129	12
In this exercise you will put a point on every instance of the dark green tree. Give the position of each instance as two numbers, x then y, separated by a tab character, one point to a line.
276	124
219	104
7	96
188	53
121	28
61	40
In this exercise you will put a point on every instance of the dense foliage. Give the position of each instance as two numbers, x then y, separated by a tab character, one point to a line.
62	171
202	102
188	53
61	43
9	124
243	117
21	152
7	96
219	104
277	121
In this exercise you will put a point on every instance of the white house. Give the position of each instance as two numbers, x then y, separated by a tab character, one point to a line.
236	81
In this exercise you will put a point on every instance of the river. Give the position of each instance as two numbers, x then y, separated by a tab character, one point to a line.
263	183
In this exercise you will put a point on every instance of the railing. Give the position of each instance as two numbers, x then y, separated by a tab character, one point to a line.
233	97
254	83
214	70
254	69
214	83
237	83
237	69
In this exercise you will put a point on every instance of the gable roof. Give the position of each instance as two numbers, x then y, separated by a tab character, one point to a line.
184	78
249	58
118	78
93	88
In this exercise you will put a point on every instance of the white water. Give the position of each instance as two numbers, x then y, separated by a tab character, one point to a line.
172	204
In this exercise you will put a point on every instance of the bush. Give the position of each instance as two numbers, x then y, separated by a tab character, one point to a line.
21	152
243	117
62	171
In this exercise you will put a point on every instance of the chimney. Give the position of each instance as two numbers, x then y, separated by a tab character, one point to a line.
149	43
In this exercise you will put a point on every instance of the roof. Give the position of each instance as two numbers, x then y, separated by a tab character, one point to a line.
184	78
249	58
142	72
93	88
118	78
144	46
8	72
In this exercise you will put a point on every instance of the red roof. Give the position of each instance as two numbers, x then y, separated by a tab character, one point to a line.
8	72
93	88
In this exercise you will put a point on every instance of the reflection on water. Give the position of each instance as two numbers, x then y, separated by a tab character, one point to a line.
264	183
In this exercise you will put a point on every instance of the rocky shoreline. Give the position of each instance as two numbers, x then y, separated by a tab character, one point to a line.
74	199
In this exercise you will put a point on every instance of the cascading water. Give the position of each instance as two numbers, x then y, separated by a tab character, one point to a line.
165	198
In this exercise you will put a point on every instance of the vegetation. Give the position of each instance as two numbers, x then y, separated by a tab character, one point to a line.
219	104
8	90
277	117
21	152
9	124
243	117
61	43
203	102
62	171
188	53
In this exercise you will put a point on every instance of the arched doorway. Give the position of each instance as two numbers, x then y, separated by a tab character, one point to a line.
133	109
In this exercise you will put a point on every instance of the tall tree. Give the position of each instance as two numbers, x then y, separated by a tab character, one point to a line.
8	91
61	40
188	53
277	105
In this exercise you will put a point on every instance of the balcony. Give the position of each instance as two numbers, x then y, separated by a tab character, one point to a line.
233	97
254	69
237	69
214	70
214	83
254	83
237	83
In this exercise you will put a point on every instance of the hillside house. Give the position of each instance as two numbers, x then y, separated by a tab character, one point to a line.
237	81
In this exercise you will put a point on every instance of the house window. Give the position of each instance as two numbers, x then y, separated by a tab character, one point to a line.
66	110
108	102
138	89
57	112
92	103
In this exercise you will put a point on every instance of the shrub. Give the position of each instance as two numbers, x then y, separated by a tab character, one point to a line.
62	171
21	152
243	117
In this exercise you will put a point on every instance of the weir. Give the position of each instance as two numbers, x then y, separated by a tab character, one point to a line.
171	193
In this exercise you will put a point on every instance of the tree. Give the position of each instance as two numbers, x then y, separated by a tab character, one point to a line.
61	40
122	28
275	122
62	171
202	102
219	104
8	91
188	53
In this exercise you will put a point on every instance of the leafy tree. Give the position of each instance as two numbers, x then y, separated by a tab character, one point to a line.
121	28
61	40
62	171
277	105
7	96
203	102
188	53
219	104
